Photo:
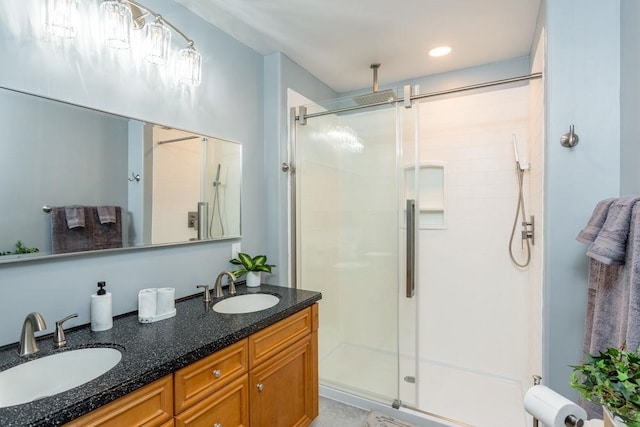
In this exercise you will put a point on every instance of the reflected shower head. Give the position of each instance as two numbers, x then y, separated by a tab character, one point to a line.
375	97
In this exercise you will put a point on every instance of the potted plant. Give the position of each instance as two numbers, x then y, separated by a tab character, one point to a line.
612	379
252	267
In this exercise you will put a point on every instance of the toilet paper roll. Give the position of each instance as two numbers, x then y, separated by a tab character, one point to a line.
147	304
166	300
550	407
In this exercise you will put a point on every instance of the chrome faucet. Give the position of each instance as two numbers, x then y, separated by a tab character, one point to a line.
218	286
33	322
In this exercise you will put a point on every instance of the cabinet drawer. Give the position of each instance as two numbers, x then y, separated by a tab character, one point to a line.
204	377
228	407
149	406
272	340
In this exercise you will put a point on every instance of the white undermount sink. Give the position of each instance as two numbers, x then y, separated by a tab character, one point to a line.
54	374
246	303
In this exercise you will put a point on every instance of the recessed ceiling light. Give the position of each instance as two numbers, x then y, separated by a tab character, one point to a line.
440	51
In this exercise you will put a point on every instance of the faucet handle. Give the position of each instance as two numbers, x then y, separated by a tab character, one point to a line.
207	295
59	339
232	284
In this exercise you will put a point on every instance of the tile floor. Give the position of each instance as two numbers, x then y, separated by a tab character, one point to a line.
336	414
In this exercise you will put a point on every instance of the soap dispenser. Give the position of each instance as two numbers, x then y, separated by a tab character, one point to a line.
101	318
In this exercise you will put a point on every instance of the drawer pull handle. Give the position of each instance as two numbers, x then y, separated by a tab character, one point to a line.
217	373
217	425
260	387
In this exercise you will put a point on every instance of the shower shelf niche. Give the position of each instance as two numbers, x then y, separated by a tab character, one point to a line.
431	193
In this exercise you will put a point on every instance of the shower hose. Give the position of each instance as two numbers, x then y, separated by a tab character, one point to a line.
519	210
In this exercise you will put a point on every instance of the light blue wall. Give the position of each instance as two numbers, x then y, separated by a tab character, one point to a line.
228	104
630	94
582	88
280	74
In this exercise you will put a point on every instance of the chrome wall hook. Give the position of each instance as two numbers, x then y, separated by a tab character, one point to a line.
569	139
134	177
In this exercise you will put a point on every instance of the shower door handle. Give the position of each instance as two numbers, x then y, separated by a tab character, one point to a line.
411	248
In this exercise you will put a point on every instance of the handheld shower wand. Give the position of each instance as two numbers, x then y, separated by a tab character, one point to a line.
527	233
217	202
216	182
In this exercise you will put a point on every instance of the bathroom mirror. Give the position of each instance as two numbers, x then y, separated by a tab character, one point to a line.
169	186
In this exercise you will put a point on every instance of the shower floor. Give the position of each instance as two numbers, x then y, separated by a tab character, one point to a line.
469	397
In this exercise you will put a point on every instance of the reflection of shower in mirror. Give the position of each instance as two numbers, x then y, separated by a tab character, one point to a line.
216	210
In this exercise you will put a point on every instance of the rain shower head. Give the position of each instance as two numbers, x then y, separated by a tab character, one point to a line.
375	97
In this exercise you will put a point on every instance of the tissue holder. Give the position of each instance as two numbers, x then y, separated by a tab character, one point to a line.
148	309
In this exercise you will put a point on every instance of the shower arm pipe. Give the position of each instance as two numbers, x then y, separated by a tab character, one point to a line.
426	95
159	17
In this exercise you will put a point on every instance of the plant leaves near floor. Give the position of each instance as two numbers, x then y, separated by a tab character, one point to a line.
257	263
611	379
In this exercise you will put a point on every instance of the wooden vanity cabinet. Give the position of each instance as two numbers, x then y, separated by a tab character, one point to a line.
267	380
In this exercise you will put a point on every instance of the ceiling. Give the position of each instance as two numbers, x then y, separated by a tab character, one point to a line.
337	40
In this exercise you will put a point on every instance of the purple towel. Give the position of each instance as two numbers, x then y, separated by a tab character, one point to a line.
598	217
610	245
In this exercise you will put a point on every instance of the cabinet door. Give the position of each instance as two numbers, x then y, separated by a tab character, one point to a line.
228	407
284	389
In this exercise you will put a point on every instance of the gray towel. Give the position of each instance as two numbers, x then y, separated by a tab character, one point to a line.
610	245
93	236
65	239
598	217
107	235
74	216
613	302
107	214
631	327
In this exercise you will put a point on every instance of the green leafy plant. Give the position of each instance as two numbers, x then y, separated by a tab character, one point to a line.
611	379
21	249
257	263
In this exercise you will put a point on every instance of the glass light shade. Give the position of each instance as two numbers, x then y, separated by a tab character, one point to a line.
157	41
189	67
116	24
63	18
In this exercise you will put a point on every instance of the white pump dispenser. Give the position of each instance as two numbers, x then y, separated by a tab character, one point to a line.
101	317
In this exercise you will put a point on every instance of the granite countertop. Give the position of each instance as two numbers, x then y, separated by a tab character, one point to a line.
149	352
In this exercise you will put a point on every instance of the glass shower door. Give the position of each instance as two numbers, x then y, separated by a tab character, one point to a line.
348	217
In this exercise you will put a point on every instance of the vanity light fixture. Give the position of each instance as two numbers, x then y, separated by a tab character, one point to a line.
120	17
116	24
440	51
63	18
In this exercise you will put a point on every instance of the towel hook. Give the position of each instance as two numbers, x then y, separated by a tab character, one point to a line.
569	139
134	177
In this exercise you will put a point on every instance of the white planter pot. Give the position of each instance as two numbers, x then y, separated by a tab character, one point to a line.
253	279
611	421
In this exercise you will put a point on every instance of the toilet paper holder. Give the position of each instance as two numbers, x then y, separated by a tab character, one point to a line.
569	421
